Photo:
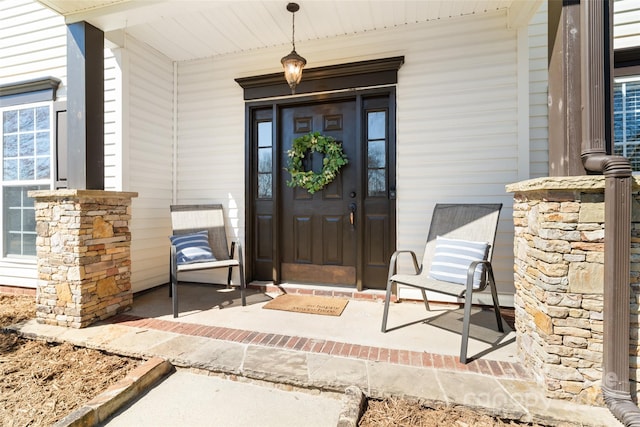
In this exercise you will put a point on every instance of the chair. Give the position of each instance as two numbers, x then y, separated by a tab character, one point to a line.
190	223
466	224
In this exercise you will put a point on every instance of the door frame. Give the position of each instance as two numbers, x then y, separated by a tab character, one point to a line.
276	105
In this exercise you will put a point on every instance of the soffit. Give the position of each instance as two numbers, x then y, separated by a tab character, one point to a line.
186	29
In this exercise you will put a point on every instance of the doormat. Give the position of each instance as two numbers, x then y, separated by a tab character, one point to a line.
308	304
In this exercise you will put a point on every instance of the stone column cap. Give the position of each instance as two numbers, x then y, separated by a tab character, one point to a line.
74	193
582	182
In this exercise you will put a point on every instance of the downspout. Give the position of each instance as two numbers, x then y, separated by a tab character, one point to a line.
596	19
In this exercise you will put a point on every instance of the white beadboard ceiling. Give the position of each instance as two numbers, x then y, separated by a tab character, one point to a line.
187	29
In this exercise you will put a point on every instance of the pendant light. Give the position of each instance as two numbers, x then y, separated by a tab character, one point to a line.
293	63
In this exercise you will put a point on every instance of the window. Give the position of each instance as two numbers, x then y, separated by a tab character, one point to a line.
626	105
626	119
265	160
376	154
26	165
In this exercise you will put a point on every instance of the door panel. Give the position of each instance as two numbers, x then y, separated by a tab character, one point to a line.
316	232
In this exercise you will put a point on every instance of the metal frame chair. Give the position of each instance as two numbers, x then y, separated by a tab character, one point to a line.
475	222
187	219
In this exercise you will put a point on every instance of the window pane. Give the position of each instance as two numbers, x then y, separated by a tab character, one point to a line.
10	121
26	120
10	170
264	185
42	118
377	183
376	125
42	143
10	148
26	169
42	167
377	158
264	134
19	221
26	144
29	244
264	160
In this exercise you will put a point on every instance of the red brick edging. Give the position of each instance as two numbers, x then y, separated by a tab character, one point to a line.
313	345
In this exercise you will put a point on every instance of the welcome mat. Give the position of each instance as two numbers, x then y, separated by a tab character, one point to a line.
308	304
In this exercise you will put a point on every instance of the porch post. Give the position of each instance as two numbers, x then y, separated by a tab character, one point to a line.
85	106
565	130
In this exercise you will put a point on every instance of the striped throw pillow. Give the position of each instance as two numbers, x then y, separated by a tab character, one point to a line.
192	247
452	259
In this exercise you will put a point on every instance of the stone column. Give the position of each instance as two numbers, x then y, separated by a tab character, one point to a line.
559	280
84	261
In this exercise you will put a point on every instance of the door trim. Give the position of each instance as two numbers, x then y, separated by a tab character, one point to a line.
376	72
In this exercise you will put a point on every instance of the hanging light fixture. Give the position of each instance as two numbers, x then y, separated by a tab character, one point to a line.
293	63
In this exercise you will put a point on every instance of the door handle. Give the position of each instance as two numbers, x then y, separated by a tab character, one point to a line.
352	214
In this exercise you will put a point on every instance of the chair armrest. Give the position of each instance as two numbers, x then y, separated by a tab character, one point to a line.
488	271
393	262
233	249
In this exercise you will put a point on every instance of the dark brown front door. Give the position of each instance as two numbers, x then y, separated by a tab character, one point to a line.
319	233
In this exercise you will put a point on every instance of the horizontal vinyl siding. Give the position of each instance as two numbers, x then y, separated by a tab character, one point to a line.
626	20
456	121
33	43
538	90
149	111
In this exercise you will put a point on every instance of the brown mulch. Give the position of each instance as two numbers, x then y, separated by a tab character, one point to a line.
41	383
403	413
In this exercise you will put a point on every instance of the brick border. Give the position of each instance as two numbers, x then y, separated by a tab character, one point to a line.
494	368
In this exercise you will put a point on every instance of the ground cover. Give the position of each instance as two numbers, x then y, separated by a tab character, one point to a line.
41	382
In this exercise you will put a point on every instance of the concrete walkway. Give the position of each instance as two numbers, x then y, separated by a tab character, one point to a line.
313	364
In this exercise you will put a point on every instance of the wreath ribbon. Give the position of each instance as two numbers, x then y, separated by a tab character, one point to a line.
334	159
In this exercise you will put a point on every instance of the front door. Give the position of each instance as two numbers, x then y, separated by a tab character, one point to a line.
319	230
343	234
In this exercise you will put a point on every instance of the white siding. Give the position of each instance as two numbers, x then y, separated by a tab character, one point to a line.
456	142
33	43
147	158
626	20
538	90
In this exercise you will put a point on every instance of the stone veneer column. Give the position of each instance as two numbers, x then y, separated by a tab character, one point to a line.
84	262
559	278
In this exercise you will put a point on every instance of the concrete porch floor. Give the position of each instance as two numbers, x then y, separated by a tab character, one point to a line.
411	327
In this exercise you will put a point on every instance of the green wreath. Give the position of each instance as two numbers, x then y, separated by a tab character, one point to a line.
334	159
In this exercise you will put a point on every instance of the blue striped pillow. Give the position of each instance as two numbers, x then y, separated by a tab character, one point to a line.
192	247
452	258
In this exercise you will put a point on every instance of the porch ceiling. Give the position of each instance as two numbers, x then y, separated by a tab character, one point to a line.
188	29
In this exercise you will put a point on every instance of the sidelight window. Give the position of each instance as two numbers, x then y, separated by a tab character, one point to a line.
377	153
265	160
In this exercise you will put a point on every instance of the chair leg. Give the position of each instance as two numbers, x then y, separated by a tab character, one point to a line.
387	298
494	296
229	277
424	298
465	328
243	287
174	292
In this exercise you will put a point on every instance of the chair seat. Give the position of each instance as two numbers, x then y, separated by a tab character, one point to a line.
206	265
425	282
